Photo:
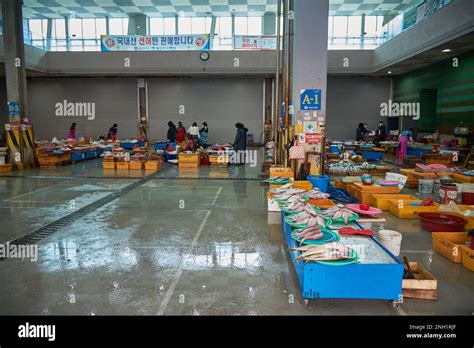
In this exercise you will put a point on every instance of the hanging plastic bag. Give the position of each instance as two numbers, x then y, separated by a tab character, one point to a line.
297	151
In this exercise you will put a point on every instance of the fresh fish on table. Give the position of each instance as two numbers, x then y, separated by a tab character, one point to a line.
339	212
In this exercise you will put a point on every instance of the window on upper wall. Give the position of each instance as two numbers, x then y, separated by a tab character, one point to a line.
201	25
58	29
88	28
100	27
118	26
38	28
156	26
254	26
223	37
354	24
169	26
184	25
75	28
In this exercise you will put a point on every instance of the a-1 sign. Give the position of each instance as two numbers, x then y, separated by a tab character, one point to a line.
13	108
310	99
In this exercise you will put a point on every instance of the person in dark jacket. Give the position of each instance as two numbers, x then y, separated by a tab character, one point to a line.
204	135
361	132
380	133
240	141
112	134
171	135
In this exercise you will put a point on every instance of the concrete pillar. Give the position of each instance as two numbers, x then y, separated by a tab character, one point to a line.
269	23
68	35
212	31
49	33
362	31
14	55
107	25
176	25
310	54
137	24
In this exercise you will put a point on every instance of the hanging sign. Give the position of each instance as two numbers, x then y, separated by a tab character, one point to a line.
13	108
255	42
313	138
310	126
310	99
154	42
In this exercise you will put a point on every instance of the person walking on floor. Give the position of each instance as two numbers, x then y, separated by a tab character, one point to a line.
72	132
204	135
180	133
240	143
171	135
403	140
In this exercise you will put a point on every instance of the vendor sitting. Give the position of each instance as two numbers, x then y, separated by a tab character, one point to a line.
112	134
72	132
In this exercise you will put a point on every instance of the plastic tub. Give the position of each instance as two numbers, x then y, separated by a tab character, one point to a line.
319	181
441	222
467	198
402	179
469	188
392	240
448	193
425	185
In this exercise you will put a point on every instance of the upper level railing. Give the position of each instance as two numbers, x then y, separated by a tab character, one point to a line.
217	44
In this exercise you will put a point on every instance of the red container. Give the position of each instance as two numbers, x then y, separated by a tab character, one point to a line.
467	198
448	193
440	222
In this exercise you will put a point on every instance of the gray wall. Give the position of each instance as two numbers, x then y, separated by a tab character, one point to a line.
116	101
219	102
3	104
351	100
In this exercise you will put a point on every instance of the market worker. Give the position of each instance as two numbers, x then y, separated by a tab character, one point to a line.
403	139
72	132
171	135
240	141
112	134
204	134
380	133
193	132
180	133
361	131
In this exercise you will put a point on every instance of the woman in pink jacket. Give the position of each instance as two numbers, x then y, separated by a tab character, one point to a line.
72	132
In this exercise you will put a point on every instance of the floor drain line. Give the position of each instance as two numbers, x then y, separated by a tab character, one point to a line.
52	227
204	178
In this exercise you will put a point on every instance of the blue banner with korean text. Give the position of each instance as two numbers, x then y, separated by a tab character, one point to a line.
110	43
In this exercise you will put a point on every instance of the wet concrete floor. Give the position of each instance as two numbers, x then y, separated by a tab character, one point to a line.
185	247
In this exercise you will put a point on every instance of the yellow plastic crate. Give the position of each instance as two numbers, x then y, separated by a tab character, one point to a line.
189	158
188	164
449	244
136	165
381	201
5	168
407	212
282	171
122	165
463	178
468	257
299	184
108	165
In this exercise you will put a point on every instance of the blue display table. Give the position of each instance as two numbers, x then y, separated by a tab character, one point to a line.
371	155
418	152
360	281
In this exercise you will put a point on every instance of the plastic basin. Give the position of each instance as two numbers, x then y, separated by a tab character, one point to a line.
441	222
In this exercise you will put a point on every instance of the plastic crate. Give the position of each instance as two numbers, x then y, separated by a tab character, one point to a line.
152	165
371	155
463	178
122	165
298	184
449	244
381	201
468	257
90	154
77	156
408	212
5	168
136	165
322	203
129	146
194	158
108	165
363	193
282	171
188	165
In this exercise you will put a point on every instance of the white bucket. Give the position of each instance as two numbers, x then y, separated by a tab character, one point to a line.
425	185
392	240
468	188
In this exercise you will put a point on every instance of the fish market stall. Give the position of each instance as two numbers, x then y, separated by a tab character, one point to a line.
333	256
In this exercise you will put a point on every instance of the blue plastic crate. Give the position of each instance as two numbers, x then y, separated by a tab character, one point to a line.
418	152
162	145
77	156
129	146
90	154
371	155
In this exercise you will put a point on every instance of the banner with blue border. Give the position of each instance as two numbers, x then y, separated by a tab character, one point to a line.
112	43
